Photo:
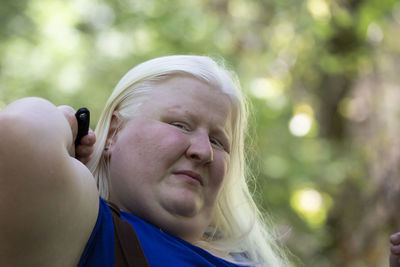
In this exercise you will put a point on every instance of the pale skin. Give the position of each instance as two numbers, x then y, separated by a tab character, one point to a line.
84	151
182	129
45	187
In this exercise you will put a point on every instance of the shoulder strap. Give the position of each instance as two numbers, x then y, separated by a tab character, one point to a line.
127	249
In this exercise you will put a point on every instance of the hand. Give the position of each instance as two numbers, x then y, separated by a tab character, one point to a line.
83	151
395	250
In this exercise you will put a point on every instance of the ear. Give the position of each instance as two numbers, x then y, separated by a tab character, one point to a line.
115	126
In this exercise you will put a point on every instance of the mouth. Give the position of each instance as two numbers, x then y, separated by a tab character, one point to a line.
190	175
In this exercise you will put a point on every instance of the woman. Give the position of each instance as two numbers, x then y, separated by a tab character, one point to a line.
169	153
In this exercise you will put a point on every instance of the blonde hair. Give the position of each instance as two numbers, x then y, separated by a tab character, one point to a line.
237	226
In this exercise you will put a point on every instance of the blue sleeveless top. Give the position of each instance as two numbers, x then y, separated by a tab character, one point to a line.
160	248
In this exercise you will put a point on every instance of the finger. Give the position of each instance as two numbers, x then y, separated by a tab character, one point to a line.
394	261
89	139
395	250
395	238
84	151
84	160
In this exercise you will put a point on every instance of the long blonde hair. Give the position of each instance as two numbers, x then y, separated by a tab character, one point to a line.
237	226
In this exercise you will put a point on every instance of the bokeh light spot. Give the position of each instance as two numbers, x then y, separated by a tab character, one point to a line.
300	124
374	33
319	9
114	44
266	88
311	205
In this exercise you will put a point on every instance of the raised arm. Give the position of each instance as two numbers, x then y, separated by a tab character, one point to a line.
48	199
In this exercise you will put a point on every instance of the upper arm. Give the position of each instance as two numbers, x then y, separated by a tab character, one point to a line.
48	200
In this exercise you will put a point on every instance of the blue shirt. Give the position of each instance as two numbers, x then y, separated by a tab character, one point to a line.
160	248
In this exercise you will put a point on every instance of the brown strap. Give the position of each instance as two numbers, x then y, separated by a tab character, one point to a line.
127	249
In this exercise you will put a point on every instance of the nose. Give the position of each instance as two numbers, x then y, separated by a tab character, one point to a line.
200	149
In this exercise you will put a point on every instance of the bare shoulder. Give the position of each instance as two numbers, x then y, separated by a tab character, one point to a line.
48	200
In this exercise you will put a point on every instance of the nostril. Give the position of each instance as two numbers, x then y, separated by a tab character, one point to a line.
194	156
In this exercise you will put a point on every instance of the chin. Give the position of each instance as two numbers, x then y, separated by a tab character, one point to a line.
185	206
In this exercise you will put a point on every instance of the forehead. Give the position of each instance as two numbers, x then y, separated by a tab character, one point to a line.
190	96
186	88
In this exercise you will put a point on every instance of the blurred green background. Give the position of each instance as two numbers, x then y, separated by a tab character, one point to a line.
323	77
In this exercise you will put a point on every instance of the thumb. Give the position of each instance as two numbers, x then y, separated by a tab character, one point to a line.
69	114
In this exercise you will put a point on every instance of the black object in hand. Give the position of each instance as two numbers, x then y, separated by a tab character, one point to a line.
83	118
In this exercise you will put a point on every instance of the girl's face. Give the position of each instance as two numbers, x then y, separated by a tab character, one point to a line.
169	161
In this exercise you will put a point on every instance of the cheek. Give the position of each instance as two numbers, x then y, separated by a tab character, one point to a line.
155	146
220	169
166	144
143	157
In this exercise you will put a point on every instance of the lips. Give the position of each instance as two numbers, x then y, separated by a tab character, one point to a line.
191	174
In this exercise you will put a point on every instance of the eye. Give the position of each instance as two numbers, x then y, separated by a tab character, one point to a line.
220	143
216	142
181	126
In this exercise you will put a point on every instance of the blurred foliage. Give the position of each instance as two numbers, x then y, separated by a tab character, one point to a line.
322	77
